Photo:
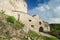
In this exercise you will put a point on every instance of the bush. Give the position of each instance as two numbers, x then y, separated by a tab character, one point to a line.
11	19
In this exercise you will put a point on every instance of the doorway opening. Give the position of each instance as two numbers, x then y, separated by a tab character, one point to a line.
41	29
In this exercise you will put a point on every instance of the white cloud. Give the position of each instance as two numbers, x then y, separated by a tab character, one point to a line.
48	12
57	9
41	8
47	7
54	20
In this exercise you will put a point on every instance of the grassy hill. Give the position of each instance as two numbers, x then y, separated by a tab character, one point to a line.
11	29
55	30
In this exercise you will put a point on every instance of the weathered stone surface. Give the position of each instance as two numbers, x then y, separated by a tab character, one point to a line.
17	9
19	5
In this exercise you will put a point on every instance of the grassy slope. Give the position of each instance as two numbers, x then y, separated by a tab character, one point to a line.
9	30
34	35
55	29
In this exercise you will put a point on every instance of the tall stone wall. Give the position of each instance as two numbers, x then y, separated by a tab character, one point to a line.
19	9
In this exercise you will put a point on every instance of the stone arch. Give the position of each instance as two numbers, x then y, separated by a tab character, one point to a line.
41	29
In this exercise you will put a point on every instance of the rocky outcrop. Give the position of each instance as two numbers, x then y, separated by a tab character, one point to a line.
14	31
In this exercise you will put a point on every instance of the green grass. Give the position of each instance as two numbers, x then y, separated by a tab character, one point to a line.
36	36
33	34
2	23
49	38
23	38
55	29
5	36
18	25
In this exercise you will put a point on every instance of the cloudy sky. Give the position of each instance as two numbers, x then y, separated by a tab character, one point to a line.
48	10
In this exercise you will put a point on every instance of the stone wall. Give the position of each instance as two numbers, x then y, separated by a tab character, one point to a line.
18	9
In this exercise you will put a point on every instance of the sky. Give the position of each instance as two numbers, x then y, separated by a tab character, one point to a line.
48	10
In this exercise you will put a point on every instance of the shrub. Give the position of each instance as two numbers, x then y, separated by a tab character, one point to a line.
11	19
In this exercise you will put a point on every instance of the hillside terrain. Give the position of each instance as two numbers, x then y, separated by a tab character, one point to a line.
11	29
55	30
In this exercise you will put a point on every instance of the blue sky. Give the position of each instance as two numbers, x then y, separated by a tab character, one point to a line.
48	10
34	3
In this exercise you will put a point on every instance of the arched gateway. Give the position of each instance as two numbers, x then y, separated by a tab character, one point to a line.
41	29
